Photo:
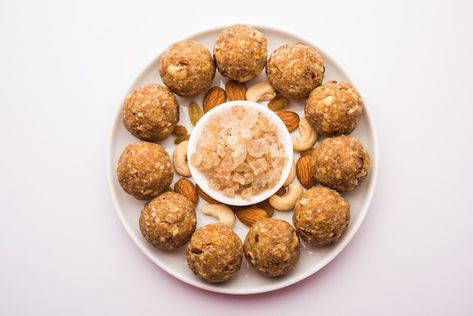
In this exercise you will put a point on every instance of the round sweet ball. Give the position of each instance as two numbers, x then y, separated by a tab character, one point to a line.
272	247
321	216
150	112
187	68
241	52
144	170
341	163
168	221
294	70
334	108
214	253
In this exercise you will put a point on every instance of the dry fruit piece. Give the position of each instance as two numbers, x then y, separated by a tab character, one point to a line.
235	90
290	119
305	172
215	96
250	215
186	188
278	103
261	91
180	130
195	112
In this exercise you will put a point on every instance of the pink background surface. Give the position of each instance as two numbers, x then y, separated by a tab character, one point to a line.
63	70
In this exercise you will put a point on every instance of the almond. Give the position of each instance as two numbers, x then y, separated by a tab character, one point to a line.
205	196
290	119
214	97
250	215
266	206
304	171
235	90
186	188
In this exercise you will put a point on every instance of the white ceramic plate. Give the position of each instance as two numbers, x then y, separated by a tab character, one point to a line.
247	281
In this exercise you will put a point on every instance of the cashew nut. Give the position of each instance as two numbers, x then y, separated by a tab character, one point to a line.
178	72
291	176
223	213
260	91
287	201
308	136
179	159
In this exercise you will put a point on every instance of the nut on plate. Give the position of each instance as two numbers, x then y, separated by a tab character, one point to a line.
251	214
179	159
207	198
261	91
305	172
235	90
215	96
287	201
290	119
282	190
290	177
278	103
186	188
195	112
307	137
180	130
222	212
264	205
180	139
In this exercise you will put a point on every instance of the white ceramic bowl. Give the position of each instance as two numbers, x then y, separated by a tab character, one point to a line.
247	281
284	137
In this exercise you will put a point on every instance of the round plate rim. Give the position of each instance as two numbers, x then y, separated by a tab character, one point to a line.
277	285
